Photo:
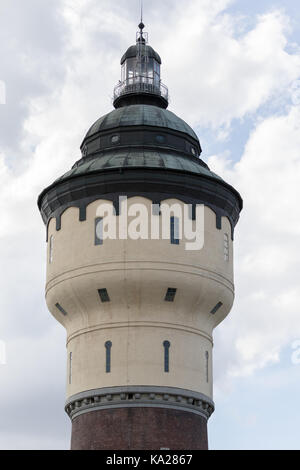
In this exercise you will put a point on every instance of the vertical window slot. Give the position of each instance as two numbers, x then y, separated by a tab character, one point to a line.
108	346
51	242
103	294
62	310
206	365
174	230
216	308
170	295
166	345
99	231
70	368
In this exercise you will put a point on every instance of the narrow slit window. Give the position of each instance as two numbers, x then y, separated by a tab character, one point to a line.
206	365
170	295
216	308
51	243
174	230
166	345
61	309
70	367
108	346
99	231
103	294
226	247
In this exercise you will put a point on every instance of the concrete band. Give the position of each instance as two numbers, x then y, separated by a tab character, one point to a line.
144	324
139	396
144	265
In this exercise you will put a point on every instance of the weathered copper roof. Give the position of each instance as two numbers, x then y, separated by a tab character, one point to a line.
132	52
138	158
141	114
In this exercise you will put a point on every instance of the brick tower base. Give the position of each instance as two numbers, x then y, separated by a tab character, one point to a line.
139	429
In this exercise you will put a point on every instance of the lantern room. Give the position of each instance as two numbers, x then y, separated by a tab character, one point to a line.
140	76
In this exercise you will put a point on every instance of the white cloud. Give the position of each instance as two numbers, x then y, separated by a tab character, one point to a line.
266	313
216	74
61	63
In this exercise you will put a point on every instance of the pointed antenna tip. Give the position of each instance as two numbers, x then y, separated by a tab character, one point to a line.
142	12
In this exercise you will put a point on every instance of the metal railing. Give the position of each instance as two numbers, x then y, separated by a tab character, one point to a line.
141	84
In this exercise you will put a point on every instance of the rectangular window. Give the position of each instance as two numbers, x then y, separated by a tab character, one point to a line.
62	310
206	366
166	345
99	231
70	368
216	308
51	249
108	346
174	229
103	294
170	295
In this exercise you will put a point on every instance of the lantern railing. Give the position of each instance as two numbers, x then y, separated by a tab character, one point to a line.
141	84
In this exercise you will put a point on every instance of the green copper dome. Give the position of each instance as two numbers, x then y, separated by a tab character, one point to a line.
141	114
121	159
132	51
140	149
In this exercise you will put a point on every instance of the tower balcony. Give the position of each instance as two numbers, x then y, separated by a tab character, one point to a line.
141	89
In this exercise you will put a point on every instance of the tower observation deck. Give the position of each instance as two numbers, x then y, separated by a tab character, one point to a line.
139	310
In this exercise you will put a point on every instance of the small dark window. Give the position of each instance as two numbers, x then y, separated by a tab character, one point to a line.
170	295
99	231
115	139
51	249
160	139
166	345
174	229
216	308
103	294
108	346
84	151
70	368
206	364
62	310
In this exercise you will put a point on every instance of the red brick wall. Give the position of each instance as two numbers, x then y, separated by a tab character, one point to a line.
139	429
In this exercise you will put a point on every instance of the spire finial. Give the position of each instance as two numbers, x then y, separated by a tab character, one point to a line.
141	25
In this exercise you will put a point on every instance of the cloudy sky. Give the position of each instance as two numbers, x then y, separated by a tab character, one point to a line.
233	72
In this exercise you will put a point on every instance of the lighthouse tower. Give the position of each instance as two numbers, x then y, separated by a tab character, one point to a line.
139	311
